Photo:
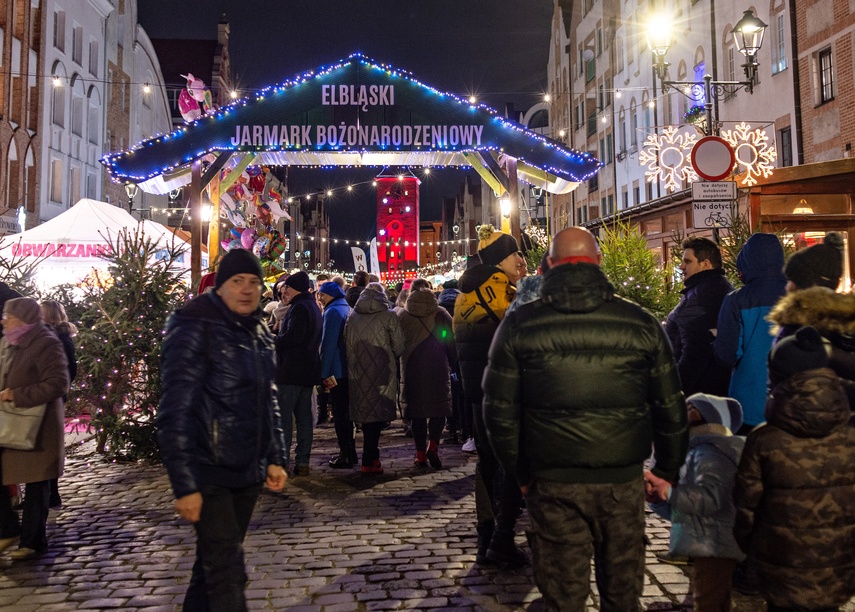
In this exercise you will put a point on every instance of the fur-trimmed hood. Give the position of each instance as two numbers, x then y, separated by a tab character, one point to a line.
830	313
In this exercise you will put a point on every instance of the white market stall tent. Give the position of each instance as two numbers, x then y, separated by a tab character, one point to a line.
67	247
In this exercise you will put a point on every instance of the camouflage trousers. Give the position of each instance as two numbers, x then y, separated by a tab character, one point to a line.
572	522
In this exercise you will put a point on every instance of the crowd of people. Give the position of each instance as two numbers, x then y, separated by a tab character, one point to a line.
731	418
565	389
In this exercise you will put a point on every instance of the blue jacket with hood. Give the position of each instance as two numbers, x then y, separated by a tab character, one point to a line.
744	336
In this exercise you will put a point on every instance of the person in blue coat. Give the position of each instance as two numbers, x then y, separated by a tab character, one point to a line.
744	335
334	370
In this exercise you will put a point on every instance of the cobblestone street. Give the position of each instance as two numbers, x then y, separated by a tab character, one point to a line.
334	541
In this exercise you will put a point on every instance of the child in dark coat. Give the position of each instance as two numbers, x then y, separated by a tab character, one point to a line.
795	487
700	507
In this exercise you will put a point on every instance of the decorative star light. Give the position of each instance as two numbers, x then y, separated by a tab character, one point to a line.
669	157
752	150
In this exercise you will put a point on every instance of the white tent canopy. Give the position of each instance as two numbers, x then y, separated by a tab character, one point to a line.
67	247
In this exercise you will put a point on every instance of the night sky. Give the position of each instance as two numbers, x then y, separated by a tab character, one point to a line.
494	49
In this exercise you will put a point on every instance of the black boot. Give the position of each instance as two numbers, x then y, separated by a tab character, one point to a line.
485	535
342	462
503	551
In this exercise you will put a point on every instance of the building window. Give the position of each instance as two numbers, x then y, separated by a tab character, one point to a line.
648	188
590	68
731	63
622	134
785	147
610	149
779	48
56	181
93	58
93	122
77	115
826	77
633	125
611	206
58	110
625	198
599	41
77	45
59	30
620	52
636	194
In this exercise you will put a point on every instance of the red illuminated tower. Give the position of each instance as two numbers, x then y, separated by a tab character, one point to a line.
398	225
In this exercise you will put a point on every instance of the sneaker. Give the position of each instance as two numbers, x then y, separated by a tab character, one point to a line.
469	446
507	555
374	468
667	557
341	463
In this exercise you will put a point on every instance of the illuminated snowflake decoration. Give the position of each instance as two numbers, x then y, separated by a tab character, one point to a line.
753	152
537	235
668	157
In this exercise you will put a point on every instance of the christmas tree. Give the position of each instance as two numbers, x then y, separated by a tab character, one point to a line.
121	326
635	270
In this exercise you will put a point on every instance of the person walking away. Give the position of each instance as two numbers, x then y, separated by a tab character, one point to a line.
744	336
357	286
700	506
374	344
55	317
334	371
795	486
692	325
218	425
813	275
486	291
33	371
460	422
426	365
580	384
298	367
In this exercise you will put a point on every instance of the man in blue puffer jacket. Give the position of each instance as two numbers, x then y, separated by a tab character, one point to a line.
218	425
744	336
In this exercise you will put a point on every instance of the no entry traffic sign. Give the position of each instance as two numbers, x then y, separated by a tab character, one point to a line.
713	158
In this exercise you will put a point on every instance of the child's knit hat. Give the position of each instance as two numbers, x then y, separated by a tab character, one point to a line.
722	410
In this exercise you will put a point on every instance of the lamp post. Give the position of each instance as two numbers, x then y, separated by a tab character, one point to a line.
131	190
748	36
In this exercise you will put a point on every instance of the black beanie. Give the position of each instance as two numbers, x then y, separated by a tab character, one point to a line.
299	281
804	350
498	246
821	264
237	261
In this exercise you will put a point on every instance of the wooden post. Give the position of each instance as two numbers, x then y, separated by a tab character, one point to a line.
196	225
514	195
214	223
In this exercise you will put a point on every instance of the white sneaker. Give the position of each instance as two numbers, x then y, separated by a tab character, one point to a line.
469	446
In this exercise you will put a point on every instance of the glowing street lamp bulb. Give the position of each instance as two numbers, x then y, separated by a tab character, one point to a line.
427	170
562	133
146	88
329	192
472	99
57	82
547	98
350	187
233	94
400	177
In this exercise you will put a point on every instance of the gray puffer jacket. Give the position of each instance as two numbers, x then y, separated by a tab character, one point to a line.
374	343
701	508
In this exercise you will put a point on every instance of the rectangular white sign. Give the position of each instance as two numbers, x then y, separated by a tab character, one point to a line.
706	213
714	190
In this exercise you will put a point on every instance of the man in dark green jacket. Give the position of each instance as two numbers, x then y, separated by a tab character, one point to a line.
579	385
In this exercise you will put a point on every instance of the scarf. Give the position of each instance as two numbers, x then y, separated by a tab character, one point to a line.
14	336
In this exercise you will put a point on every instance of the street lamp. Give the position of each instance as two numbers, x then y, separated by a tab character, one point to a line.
748	36
131	190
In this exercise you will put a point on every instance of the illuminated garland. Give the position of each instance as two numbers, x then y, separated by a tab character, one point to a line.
111	160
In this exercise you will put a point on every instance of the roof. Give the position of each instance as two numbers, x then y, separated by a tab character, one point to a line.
355	113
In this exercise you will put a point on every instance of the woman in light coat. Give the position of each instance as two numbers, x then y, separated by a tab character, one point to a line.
426	372
33	371
374	343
